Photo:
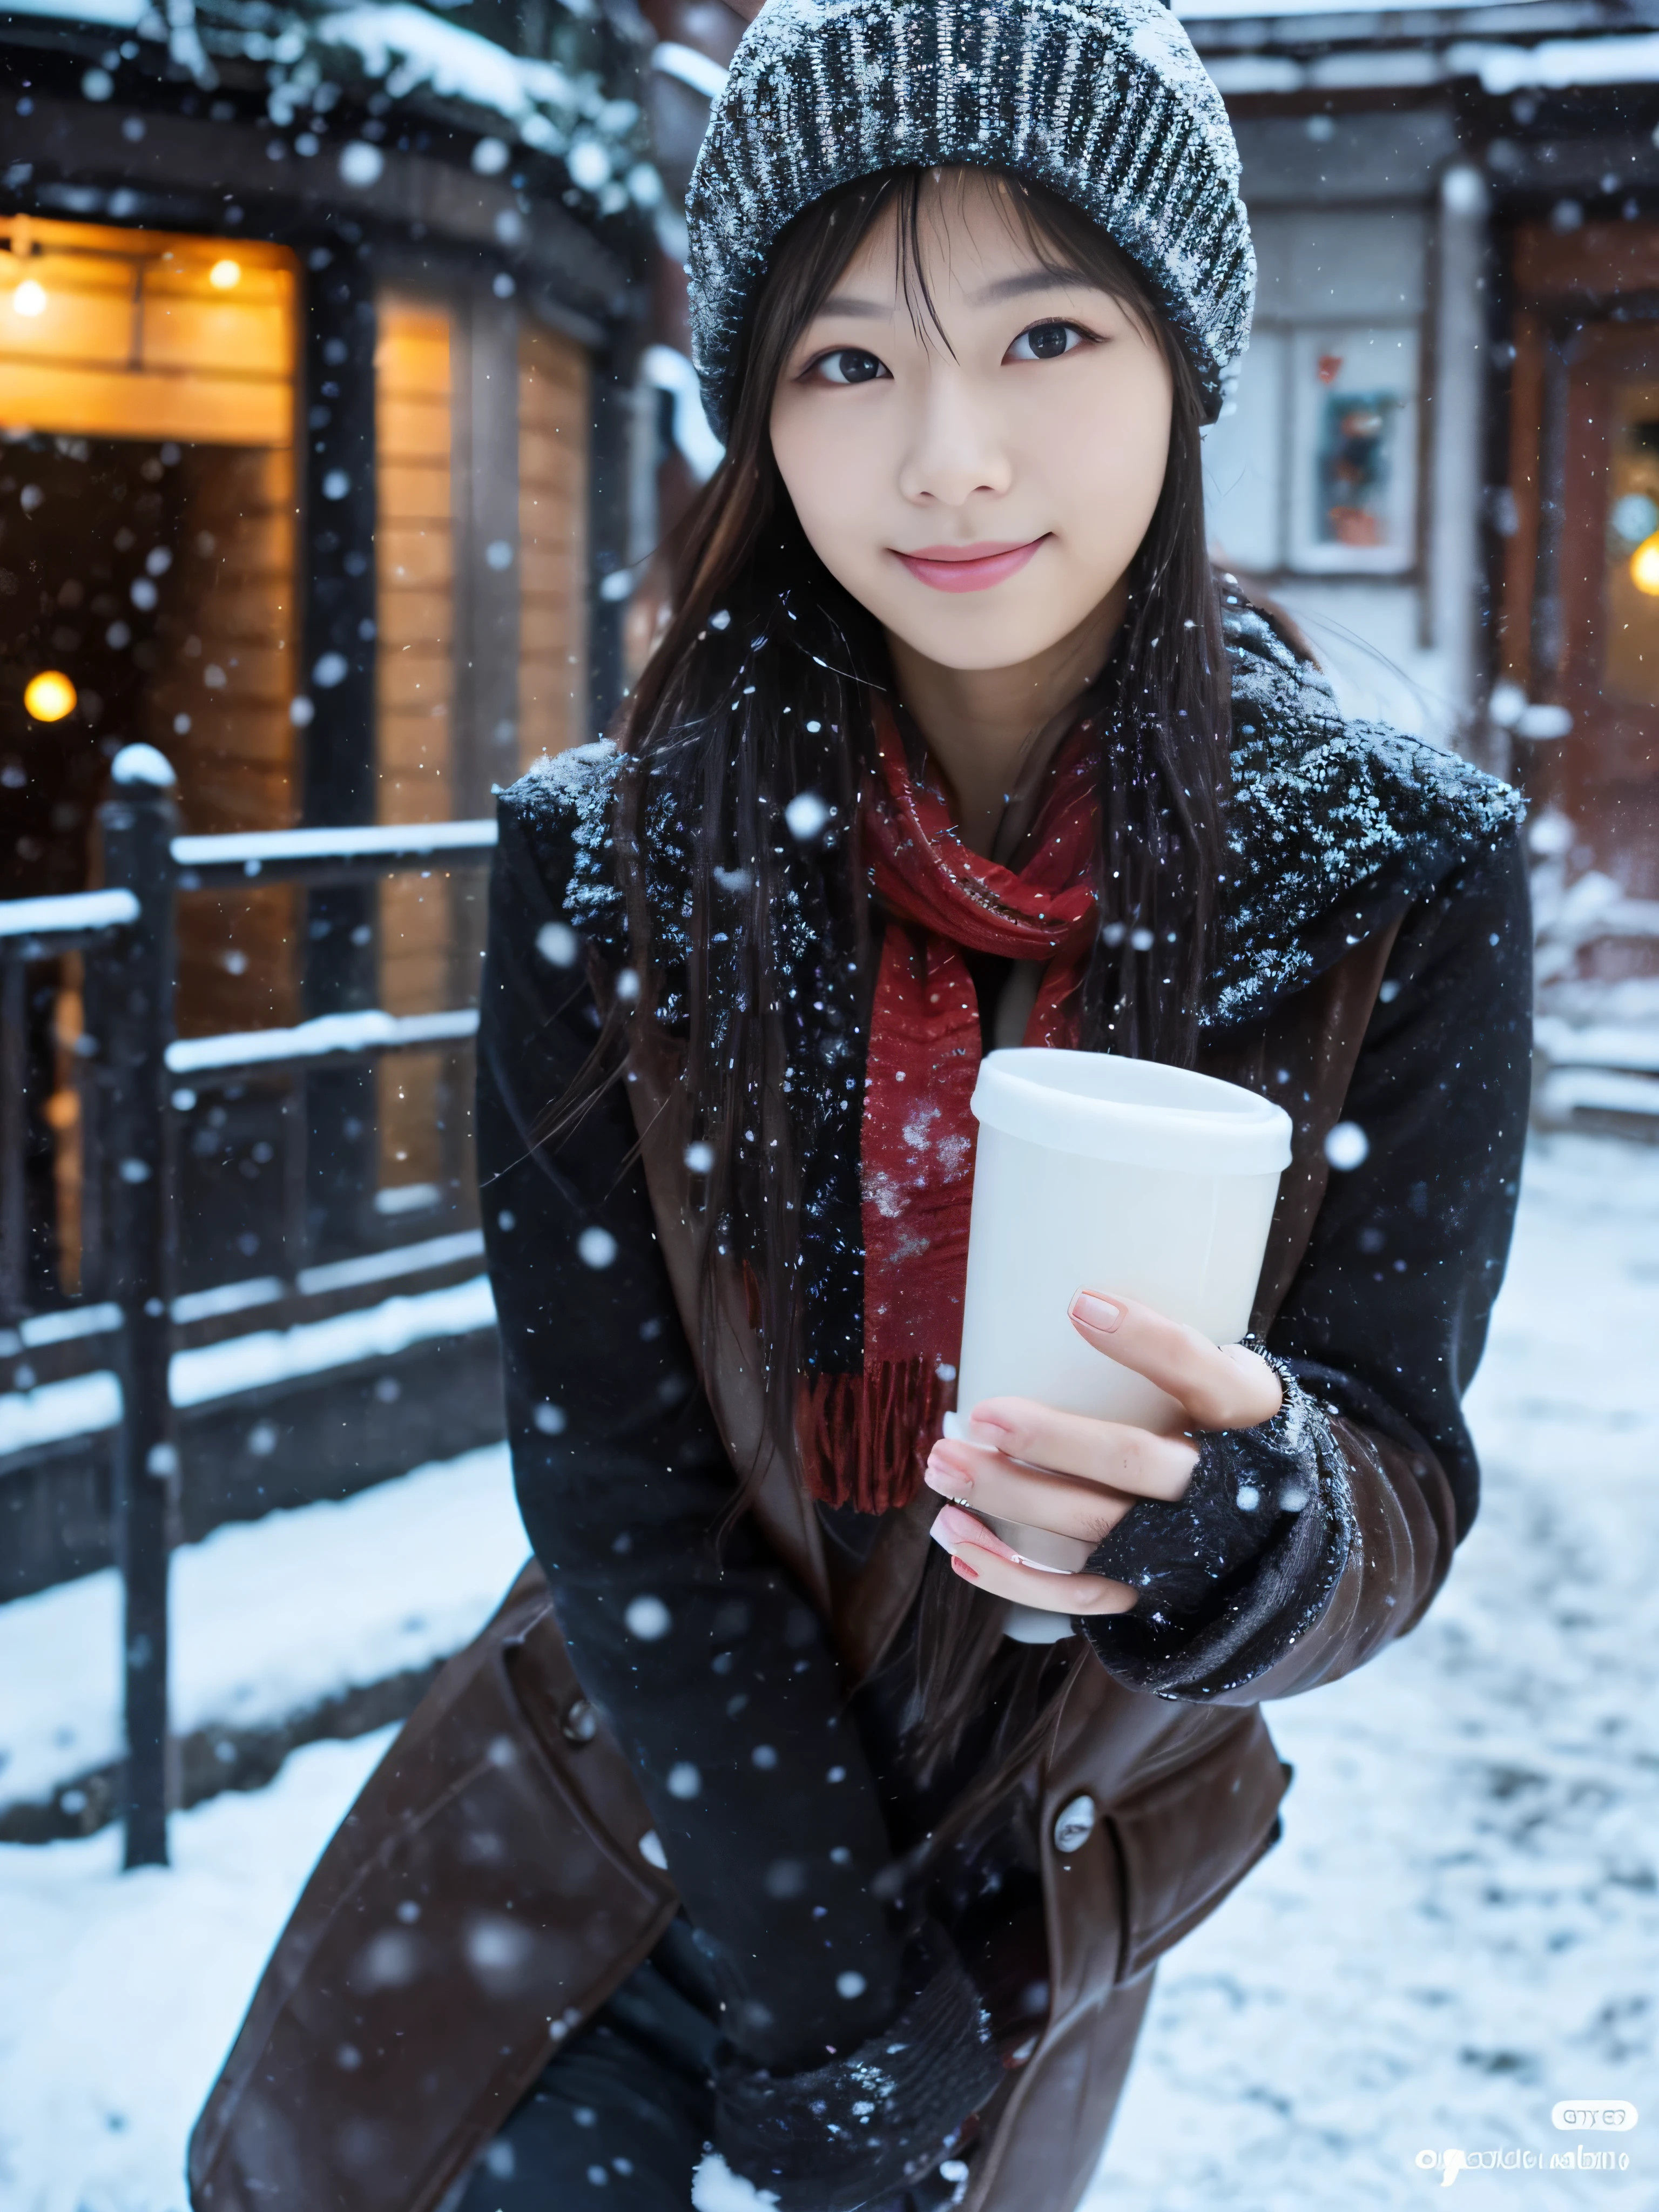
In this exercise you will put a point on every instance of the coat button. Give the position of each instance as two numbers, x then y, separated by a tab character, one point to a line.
581	1723
1073	1825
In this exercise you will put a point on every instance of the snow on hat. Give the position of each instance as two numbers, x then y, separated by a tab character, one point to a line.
1104	101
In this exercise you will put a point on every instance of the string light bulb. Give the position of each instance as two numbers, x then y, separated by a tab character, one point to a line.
225	276
1645	566
50	695
29	299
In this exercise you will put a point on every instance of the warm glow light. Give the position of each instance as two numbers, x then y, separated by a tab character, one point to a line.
1645	566
225	276
50	695
30	298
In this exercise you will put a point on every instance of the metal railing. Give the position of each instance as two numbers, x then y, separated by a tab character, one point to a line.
126	934
1596	1052
35	929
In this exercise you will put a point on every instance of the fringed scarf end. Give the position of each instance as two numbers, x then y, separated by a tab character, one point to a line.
865	1439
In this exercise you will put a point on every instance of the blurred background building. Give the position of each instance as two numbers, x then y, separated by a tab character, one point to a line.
1442	455
1443	459
1439	458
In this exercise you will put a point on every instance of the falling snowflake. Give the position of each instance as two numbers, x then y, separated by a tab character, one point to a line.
648	1618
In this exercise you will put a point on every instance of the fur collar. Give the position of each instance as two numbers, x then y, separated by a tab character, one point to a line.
1335	826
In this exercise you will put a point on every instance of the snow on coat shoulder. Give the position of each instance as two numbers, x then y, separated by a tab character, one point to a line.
1328	816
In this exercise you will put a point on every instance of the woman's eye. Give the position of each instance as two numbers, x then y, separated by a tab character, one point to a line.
849	366
1046	341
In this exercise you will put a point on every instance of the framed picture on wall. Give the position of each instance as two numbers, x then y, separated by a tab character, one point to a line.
1353	395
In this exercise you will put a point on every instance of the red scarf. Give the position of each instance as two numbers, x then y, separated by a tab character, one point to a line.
865	1437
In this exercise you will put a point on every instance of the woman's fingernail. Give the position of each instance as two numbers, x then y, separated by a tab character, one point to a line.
959	1528
1096	1312
982	1417
946	1480
961	1566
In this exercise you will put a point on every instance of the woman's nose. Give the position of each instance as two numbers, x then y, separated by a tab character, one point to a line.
956	447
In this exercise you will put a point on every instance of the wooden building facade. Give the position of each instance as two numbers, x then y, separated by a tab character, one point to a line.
303	409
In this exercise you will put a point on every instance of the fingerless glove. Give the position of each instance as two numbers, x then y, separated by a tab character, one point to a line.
1230	1574
858	2131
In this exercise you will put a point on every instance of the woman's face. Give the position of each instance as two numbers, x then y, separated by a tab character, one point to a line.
981	487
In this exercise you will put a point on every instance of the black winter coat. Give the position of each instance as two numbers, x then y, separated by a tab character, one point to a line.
712	1667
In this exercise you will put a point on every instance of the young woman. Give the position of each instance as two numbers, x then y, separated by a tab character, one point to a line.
953	740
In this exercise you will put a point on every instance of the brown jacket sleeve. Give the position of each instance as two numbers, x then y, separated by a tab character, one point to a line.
1399	1554
1380	1326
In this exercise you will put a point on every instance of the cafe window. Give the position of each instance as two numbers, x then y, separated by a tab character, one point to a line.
131	334
147	593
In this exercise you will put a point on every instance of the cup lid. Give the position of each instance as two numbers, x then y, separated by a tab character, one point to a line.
1140	1112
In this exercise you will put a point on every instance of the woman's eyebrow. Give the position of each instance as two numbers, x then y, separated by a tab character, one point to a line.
1032	280
849	303
1005	287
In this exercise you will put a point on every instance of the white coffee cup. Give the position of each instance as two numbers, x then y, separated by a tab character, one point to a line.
1095	1172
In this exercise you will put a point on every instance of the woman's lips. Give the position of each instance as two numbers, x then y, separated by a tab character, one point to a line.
969	567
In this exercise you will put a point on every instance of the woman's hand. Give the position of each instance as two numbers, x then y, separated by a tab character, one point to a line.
1078	1477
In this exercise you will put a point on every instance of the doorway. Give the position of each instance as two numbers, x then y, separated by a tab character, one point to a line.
1579	630
147	557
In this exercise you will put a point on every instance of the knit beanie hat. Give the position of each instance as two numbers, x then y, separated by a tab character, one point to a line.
1104	101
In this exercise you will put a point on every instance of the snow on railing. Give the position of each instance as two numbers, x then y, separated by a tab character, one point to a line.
1595	1040
265	1357
35	1332
285	855
375	841
1592	908
698	72
1562	1093
86	1405
68	915
1627	1045
330	1036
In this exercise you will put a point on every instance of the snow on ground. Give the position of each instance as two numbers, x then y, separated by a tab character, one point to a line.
268	1617
1460	1927
123	1991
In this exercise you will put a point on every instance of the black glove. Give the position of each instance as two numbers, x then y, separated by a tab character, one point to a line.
1244	1560
877	2121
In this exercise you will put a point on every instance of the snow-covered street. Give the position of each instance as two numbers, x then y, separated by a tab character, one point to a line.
1460	1929
122	1990
269	1617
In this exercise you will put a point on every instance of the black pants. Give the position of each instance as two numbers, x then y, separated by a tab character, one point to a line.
620	2119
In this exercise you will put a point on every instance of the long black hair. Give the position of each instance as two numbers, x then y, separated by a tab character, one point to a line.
752	720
